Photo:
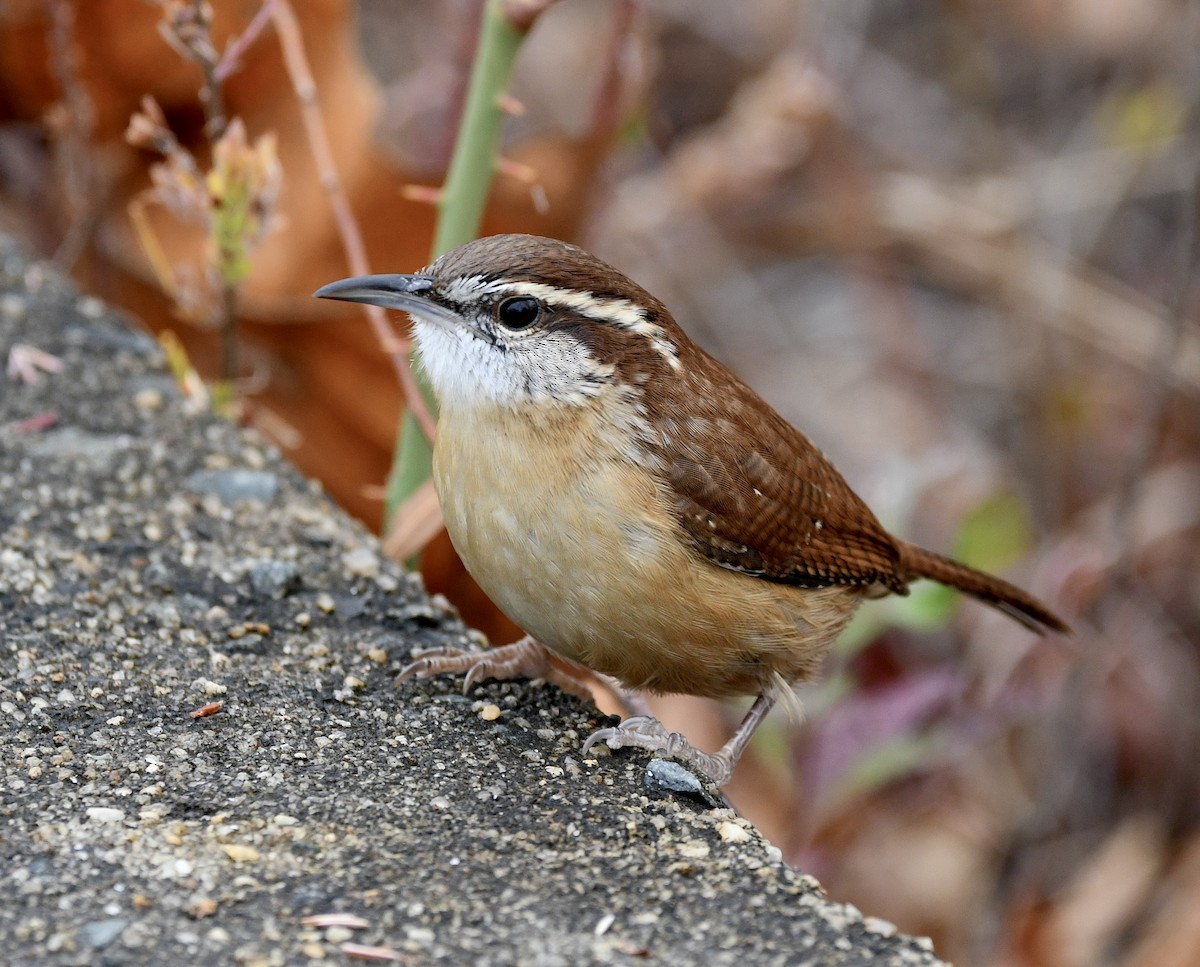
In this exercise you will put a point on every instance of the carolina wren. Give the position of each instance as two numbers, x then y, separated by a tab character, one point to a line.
630	502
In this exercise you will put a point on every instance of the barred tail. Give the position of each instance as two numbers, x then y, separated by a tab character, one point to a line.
917	562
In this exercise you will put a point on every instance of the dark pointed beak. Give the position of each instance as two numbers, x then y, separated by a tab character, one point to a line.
407	292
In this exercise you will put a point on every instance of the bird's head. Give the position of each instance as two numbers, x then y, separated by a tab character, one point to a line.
511	319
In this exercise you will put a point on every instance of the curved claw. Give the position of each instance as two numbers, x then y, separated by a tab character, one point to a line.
641	732
600	735
644	732
477	672
526	658
441	662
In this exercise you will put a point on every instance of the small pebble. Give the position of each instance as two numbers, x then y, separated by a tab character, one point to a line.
240	853
98	934
273	579
732	833
234	485
204	907
105	814
665	778
148	400
361	562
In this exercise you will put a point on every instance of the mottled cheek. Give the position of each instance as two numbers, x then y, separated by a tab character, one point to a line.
556	367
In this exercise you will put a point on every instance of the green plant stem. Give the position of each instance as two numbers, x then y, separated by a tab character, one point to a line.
460	211
473	163
229	341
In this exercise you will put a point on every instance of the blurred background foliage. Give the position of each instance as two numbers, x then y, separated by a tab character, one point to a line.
955	242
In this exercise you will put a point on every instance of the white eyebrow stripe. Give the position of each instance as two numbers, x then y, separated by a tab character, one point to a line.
619	312
465	288
612	311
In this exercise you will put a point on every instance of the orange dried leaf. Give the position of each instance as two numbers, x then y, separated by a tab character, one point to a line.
415	523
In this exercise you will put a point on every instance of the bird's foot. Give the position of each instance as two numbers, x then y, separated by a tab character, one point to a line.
527	658
645	732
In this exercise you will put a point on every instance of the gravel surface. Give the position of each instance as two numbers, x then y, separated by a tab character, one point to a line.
202	746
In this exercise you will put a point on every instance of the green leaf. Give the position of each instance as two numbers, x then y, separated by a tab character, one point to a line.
996	534
891	761
929	606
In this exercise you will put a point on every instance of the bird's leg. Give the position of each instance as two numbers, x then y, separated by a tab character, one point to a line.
644	732
633	703
527	658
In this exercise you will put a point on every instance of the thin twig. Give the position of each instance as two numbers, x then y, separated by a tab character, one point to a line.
292	45
523	14
608	107
78	124
210	94
232	58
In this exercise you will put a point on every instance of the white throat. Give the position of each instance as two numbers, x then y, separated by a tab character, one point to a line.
467	370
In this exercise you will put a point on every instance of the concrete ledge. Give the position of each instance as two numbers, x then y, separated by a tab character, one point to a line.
153	562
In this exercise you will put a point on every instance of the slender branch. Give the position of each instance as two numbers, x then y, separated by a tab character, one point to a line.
231	60
522	14
608	106
78	123
291	43
469	178
210	94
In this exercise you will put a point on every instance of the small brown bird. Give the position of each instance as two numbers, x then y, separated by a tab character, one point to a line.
628	501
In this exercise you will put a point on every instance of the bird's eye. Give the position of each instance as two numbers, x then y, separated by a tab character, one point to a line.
519	312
